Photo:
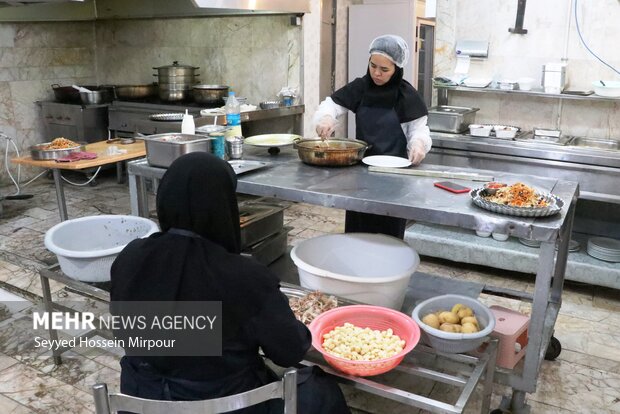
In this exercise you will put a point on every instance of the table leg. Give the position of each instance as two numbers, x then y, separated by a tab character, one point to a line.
47	300
60	194
119	172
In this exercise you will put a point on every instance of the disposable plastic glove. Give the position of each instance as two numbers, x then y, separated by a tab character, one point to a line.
326	126
417	152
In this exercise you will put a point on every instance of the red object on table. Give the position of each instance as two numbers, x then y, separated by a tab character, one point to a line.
77	156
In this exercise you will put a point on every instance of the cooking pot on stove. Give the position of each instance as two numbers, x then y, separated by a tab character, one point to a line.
210	94
176	81
334	152
68	94
135	91
176	70
97	95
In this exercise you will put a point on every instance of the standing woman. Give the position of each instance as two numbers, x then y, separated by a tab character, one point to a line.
389	115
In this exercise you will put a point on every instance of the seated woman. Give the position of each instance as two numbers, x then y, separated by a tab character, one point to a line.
196	258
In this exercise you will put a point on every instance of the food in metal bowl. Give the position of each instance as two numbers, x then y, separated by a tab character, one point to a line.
336	152
517	195
60	143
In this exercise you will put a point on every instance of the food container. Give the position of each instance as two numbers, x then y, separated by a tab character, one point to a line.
269	104
478	130
373	317
68	94
87	246
610	89
450	342
210	94
507	85
491	188
368	268
505	132
39	151
336	152
454	119
526	84
96	96
163	149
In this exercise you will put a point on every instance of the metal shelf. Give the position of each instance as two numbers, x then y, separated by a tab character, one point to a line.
534	93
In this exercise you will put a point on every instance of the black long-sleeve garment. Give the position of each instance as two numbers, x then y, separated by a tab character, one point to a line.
197	194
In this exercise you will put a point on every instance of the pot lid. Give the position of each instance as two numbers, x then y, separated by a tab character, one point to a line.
175	65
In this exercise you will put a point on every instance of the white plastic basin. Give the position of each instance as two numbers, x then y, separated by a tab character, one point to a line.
87	246
368	268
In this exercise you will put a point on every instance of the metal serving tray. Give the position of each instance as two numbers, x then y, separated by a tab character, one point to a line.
163	149
38	152
243	166
454	119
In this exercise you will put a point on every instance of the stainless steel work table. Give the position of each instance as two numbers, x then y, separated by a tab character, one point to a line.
415	198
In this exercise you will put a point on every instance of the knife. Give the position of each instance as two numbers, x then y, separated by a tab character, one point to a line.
433	173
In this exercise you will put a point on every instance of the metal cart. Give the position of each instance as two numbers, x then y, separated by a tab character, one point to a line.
356	188
461	371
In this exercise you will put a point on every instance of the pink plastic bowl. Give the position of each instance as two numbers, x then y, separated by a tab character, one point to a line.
365	316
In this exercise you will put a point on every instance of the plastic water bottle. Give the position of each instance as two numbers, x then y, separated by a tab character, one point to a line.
233	116
187	125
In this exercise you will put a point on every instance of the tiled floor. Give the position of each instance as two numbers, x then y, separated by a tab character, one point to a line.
584	379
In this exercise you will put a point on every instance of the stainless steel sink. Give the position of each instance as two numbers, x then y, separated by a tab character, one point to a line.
608	144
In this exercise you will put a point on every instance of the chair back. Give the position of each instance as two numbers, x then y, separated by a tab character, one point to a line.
285	389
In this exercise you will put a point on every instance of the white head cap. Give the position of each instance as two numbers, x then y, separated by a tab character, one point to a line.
392	47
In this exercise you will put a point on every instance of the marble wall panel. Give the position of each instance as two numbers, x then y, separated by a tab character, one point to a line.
311	61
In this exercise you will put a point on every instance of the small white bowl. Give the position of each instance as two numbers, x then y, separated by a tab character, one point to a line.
526	84
503	131
480	130
480	233
500	236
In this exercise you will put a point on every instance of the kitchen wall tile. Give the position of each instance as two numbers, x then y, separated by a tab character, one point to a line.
7	35
600	120
54	35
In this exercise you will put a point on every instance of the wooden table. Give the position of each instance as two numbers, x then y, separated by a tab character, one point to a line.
135	150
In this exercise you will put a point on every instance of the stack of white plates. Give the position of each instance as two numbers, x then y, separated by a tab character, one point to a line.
530	243
604	248
573	245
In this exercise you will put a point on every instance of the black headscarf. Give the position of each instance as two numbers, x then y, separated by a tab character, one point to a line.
197	194
397	93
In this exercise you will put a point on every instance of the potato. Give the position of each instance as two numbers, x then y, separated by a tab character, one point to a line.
469	327
450	327
448	317
431	320
465	312
470	319
457	307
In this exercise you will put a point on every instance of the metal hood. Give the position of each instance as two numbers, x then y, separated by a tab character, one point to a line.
24	2
254	6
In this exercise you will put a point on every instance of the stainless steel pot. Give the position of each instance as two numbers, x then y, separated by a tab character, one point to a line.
176	81
174	92
135	91
336	152
210	94
98	96
176	69
68	94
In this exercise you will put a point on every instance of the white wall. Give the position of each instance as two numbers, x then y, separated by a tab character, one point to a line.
514	55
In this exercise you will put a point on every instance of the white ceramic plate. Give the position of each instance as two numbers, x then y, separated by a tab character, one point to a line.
271	140
386	161
477	82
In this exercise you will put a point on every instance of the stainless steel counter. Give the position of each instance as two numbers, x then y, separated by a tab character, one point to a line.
596	170
355	188
416	198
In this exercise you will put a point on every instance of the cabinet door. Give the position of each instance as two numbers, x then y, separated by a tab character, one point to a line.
425	47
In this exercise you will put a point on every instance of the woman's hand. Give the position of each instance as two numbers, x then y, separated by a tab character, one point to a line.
326	126
417	153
